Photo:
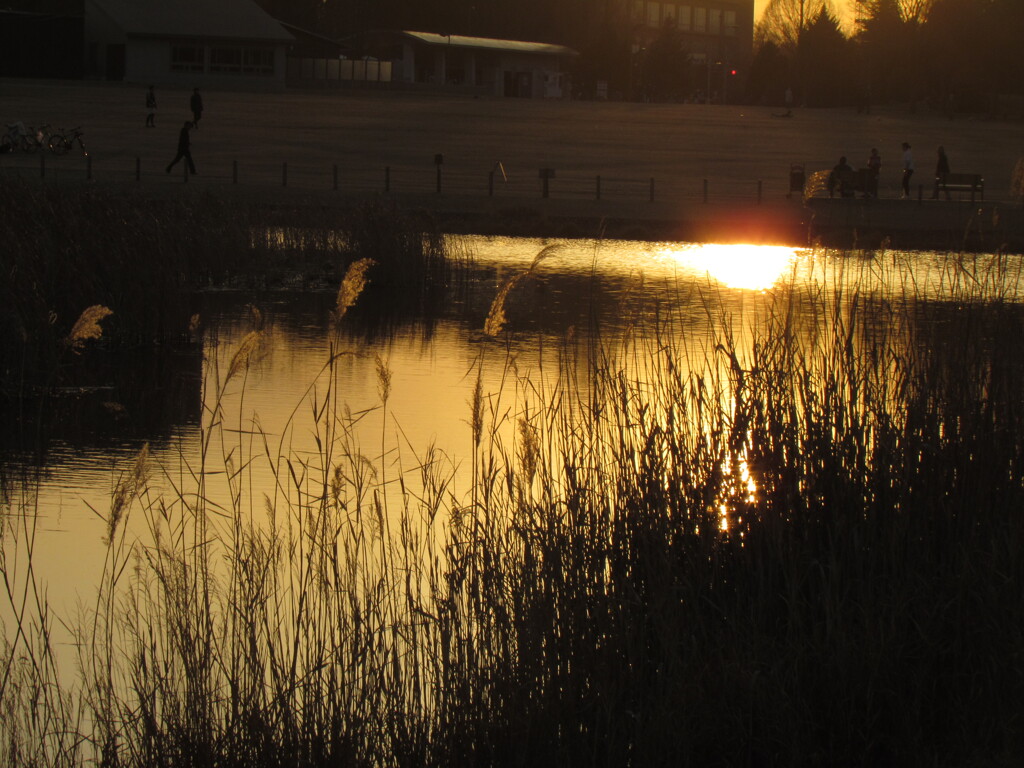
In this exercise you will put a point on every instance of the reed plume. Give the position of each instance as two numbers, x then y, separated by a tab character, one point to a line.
127	488
351	286
87	327
816	182
496	318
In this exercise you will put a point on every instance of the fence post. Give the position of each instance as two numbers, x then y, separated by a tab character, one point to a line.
705	190
387	178
138	168
234	171
652	189
546	174
598	184
335	177
284	174
760	189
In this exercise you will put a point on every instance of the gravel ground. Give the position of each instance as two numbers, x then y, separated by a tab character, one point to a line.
362	132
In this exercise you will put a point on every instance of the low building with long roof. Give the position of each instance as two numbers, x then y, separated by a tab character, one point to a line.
486	65
193	42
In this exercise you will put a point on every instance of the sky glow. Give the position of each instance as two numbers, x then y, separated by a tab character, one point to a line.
842	8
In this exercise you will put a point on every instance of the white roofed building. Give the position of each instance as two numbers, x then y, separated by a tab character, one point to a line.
479	64
193	42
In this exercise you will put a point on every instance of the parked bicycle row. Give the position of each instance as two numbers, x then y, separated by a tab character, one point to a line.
19	137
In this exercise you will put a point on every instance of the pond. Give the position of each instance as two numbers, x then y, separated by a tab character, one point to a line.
577	293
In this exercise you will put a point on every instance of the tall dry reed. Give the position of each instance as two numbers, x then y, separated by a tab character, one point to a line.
794	542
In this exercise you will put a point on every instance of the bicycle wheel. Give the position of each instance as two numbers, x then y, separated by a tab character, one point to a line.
59	145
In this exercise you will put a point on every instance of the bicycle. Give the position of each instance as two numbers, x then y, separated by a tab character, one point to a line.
61	143
37	138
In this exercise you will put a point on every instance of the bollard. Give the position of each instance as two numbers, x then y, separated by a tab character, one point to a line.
335	177
234	171
546	174
760	190
652	189
138	168
438	161
705	190
598	183
439	179
387	178
284	174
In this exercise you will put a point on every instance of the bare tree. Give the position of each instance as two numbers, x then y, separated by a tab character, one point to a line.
784	21
907	11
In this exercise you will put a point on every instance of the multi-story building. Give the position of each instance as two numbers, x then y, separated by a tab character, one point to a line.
718	35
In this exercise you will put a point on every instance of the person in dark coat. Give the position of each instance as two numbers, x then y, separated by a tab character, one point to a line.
184	149
196	103
941	172
150	108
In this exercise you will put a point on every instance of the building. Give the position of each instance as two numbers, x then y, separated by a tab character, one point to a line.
41	38
192	42
718	35
478	64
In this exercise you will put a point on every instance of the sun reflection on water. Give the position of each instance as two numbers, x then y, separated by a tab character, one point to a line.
750	267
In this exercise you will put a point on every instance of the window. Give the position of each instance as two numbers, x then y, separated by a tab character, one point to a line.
700	19
258	61
715	21
186	57
683	18
226	60
730	22
653	14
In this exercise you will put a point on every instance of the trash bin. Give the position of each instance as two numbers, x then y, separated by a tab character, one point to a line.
797	179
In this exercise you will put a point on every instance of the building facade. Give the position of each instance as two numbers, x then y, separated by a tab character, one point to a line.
193	42
482	65
718	35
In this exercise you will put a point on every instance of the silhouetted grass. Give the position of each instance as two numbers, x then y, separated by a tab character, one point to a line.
66	249
795	542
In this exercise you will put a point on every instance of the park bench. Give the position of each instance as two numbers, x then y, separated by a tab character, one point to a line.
961	182
855	182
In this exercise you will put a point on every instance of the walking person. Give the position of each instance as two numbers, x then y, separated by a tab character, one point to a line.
184	149
908	170
941	172
874	170
150	108
196	103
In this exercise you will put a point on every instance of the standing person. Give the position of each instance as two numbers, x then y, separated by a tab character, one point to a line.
196	103
874	170
184	149
908	170
941	172
151	108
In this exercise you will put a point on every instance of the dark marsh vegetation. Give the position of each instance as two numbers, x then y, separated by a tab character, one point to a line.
795	542
127	273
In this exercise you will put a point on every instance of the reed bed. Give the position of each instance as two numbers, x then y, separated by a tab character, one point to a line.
788	543
68	251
